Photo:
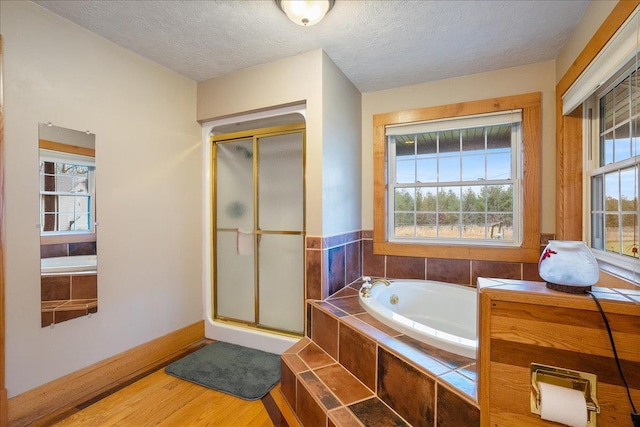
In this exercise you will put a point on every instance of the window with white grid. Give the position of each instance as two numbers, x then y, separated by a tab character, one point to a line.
66	195
456	180
613	169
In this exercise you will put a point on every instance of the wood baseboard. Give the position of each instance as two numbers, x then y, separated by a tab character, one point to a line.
78	387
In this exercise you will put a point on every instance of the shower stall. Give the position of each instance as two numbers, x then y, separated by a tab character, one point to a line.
258	199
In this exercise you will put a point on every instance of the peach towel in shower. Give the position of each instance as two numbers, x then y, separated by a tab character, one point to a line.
244	242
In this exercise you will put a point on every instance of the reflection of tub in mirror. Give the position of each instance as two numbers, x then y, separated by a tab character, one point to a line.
69	264
68	235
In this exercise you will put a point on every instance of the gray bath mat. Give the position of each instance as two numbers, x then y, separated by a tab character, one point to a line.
240	371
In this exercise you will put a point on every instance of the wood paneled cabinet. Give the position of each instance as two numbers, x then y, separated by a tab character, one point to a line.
524	322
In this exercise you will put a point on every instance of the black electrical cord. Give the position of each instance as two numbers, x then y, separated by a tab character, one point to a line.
635	417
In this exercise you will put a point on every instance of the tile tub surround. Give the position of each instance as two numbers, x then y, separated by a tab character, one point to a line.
463	271
67	249
332	262
352	370
65	297
457	271
60	311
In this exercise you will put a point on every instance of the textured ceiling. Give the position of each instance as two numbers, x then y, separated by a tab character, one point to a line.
378	44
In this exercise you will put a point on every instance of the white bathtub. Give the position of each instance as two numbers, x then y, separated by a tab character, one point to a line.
69	264
436	313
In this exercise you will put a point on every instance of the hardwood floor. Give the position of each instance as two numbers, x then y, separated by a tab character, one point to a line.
163	400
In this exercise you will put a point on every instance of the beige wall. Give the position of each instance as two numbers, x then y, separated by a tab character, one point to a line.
341	150
297	79
512	81
333	128
148	192
593	17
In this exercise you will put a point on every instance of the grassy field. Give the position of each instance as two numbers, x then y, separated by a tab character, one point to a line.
629	241
629	236
453	232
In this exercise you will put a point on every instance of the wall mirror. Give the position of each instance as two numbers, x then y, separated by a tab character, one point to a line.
68	244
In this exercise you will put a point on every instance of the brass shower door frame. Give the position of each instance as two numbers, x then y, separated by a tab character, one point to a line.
255	135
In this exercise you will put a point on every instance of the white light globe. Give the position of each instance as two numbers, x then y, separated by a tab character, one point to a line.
305	12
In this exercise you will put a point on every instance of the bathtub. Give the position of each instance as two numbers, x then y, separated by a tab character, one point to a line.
69	264
436	313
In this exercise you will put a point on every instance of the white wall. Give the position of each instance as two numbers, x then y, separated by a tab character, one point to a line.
148	192
512	81
297	79
333	128
341	151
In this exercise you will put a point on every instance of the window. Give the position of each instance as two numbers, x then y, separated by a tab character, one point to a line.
66	193
456	180
459	181
597	136
613	169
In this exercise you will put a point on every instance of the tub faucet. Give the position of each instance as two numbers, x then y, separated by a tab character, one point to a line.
368	284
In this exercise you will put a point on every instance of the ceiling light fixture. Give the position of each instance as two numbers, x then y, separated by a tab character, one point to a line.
305	12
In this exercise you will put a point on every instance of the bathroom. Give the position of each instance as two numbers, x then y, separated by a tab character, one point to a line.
153	260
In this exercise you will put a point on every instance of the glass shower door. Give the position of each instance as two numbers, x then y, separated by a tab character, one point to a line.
234	294
281	232
259	228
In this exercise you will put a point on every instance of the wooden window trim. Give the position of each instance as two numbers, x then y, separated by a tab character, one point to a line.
66	148
569	222
529	250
